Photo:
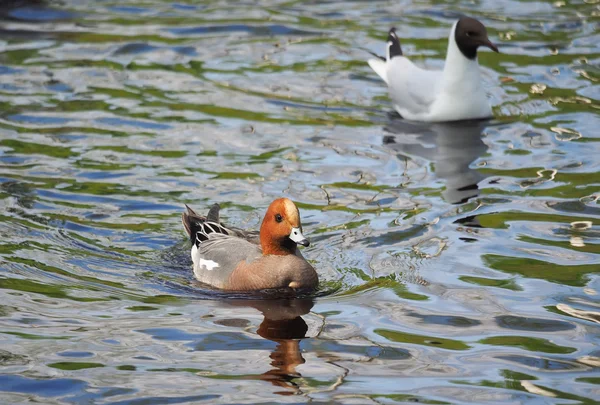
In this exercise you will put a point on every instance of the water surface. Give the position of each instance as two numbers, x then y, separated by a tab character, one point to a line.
458	262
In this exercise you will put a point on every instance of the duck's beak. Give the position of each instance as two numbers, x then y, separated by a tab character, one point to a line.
490	45
296	236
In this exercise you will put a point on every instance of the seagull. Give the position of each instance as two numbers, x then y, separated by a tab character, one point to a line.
452	94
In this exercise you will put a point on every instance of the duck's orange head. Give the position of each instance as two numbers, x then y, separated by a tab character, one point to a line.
281	229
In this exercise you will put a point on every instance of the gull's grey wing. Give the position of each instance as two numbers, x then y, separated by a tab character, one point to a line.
412	89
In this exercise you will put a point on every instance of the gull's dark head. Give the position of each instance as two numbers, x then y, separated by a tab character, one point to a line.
469	35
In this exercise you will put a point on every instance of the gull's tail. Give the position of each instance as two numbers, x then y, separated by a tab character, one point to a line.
394	48
379	65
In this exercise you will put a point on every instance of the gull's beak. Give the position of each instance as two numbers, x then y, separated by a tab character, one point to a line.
296	236
490	45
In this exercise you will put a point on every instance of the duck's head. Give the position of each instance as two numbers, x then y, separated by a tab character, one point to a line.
469	35
281	229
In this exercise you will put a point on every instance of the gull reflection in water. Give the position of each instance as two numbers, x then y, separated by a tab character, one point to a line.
283	325
450	146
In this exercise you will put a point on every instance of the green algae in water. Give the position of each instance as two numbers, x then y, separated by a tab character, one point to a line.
74	366
402	337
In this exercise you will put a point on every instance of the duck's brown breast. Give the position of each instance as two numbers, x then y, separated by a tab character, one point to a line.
272	271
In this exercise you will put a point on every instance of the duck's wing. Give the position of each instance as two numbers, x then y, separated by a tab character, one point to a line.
199	227
412	89
217	257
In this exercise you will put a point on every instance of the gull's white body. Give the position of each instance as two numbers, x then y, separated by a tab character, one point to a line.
455	93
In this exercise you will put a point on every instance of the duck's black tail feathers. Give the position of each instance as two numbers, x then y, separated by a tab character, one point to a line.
213	213
199	227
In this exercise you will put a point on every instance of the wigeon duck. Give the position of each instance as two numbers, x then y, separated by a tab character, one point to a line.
233	259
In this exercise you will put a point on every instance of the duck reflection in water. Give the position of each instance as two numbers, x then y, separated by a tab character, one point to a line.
450	146
282	324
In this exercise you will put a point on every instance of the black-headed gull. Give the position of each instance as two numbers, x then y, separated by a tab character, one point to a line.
452	94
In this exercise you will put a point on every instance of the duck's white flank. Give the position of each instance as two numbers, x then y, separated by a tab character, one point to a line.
200	263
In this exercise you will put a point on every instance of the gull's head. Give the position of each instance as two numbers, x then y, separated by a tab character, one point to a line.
469	35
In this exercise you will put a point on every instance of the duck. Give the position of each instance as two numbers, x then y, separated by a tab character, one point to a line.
231	258
452	94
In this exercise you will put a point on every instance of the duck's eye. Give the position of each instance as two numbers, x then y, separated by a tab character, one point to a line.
470	34
278	217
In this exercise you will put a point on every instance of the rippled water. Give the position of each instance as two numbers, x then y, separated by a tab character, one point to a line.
459	263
